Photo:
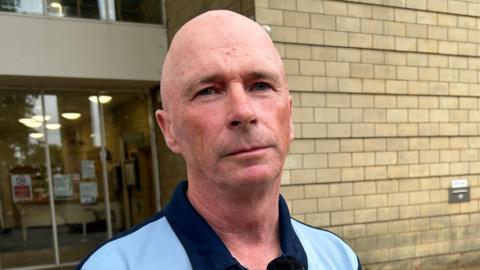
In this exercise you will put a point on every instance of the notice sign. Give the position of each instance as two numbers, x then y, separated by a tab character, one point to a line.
21	187
88	192
62	185
88	169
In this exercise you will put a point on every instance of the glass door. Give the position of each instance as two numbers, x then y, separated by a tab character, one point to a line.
25	213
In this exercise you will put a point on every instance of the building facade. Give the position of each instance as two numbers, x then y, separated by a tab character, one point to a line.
386	113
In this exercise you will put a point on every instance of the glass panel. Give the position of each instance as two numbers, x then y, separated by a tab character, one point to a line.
129	159
25	219
73	8
76	171
22	6
143	11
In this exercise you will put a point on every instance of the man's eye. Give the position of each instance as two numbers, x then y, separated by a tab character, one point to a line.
207	92
261	86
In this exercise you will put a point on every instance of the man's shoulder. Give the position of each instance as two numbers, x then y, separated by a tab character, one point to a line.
324	248
141	247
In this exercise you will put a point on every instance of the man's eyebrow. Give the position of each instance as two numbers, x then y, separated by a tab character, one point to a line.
263	75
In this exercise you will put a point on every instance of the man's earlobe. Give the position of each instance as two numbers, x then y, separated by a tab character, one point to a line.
163	121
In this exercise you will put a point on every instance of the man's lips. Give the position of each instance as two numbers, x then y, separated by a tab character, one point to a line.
246	150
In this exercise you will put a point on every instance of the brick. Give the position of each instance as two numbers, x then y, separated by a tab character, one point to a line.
385	158
335	8
388	213
397	144
396	87
405	44
373	86
404	15
407	73
378	172
295	51
302	146
427	45
324	53
429	156
360	40
374	144
327	146
426	17
292	192
352	174
359	10
364	188
396	199
375	200
407	102
353	202
399	171
363	130
337	69
293	162
459	168
416	30
398	226
383	42
438	88
351	115
351	145
371	26
428	74
417	88
458	89
373	56
365	215
447	47
269	16
310	6
314	130
304	206
407	157
349	55
303	176
447	20
362	101
325	22
328	175
448	102
312	100
300	83
407	130
302	115
283	34
342	217
458	7
291	66
342	189
383	13
363	159
350	85
439	33
333	38
318	219
316	191
385	72
348	24
339	160
385	130
438	61
309	36
416	4
312	67
281	4
439	115
297	19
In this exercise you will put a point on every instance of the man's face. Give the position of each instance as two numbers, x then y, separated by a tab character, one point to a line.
230	112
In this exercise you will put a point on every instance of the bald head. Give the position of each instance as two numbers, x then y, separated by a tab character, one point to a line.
214	32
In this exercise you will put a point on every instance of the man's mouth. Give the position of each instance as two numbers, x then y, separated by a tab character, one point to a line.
247	150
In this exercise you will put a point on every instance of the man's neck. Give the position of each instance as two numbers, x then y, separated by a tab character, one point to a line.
246	221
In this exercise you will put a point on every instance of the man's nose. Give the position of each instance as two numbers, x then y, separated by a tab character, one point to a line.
241	112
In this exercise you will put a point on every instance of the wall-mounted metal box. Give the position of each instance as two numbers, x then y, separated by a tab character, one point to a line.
458	195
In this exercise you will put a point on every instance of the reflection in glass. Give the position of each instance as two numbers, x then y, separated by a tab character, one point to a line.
142	11
73	8
22	6
24	211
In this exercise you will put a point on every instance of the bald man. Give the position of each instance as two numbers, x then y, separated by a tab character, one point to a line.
227	111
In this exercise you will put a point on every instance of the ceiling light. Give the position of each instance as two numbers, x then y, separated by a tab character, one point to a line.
36	135
40	118
29	122
56	5
102	99
53	126
71	115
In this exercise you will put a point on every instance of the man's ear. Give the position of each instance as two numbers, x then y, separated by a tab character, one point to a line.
292	131
163	120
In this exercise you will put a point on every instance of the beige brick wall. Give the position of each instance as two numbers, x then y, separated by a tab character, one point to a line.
386	114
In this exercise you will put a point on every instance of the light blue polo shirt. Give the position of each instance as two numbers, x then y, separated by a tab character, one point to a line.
178	238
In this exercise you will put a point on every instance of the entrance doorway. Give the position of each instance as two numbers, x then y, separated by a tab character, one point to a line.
76	167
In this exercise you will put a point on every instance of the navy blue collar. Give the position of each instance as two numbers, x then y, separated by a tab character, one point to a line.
203	246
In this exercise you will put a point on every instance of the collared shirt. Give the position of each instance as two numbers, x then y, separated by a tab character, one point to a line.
178	238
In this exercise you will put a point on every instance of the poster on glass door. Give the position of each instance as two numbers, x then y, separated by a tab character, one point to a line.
62	186
88	192
21	187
